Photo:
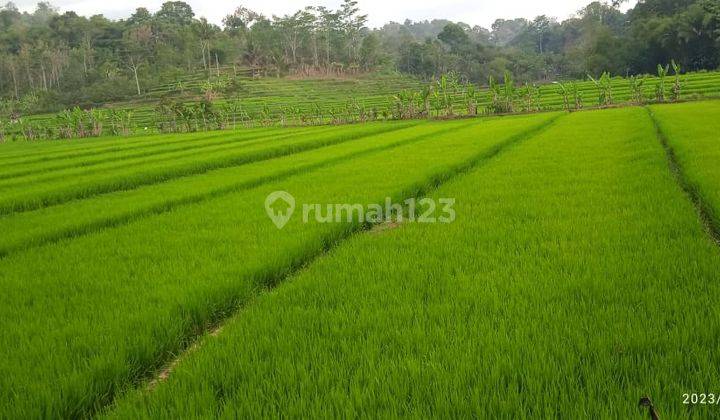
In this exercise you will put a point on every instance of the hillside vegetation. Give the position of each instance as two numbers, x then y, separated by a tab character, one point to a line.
231	102
50	61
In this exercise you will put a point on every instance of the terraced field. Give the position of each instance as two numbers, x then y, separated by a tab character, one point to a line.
377	91
278	101
144	278
304	96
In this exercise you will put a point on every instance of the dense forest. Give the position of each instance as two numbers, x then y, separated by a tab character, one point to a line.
50	61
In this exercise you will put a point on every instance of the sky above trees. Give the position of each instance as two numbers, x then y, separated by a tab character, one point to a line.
379	12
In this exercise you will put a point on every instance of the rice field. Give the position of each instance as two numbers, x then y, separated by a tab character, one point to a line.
288	101
377	92
143	278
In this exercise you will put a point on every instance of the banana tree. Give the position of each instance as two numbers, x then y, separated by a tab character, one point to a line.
443	88
502	97
531	96
404	104
660	87
235	108
564	94
96	120
637	89
120	121
676	85
509	92
425	95
604	88
266	114
471	99
29	131
437	102
577	96
495	95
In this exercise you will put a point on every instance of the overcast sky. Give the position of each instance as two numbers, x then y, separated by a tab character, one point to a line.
474	12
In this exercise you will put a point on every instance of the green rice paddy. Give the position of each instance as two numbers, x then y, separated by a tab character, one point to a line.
278	101
142	277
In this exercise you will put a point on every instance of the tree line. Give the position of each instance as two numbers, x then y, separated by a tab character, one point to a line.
51	61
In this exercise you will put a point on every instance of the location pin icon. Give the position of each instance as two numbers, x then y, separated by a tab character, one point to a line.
280	206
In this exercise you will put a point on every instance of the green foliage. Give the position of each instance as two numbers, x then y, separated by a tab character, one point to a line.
637	84
677	85
444	89
121	122
78	123
660	89
564	93
502	96
604	89
284	103
426	93
53	61
571	95
176	116
471	98
404	105
530	94
266	115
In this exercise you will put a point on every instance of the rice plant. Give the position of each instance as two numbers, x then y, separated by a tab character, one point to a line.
537	256
81	378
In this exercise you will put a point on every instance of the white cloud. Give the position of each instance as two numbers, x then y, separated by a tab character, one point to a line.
474	12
